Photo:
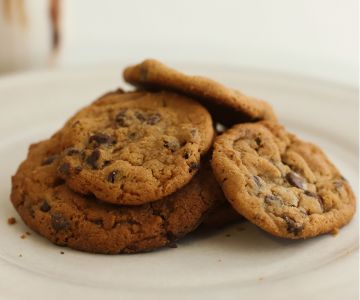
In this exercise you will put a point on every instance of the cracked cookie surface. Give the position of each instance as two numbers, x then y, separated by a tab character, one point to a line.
66	218
278	182
227	105
134	148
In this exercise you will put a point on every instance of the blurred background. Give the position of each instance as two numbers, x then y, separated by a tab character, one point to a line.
306	37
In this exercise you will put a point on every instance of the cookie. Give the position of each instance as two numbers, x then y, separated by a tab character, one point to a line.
278	182
66	218
134	148
229	106
221	216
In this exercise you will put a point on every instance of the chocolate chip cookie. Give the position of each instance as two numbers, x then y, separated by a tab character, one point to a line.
66	218
227	105
278	182
134	148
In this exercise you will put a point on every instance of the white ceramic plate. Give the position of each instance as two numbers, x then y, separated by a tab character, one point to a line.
248	264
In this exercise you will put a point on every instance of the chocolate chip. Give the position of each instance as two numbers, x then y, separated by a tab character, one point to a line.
295	180
171	145
58	222
194	166
311	194
271	198
121	119
140	116
64	168
170	236
257	180
45	207
338	184
186	155
194	132
132	135
72	151
101	138
153	119
78	169
106	163
292	227
258	141
93	158
48	160
58	181
112	176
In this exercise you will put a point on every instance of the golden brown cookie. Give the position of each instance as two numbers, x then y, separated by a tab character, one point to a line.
278	182
66	218
134	148
227	105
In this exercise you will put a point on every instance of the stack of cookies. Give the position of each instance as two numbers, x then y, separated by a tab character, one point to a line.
135	171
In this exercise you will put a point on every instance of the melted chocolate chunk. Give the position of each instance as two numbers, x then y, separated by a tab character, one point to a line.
292	227
64	169
58	222
186	155
295	180
101	138
194	166
112	176
45	207
49	160
93	158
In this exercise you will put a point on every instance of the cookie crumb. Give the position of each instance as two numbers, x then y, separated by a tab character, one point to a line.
20	255
261	278
219	260
62	252
11	221
27	233
172	245
23	236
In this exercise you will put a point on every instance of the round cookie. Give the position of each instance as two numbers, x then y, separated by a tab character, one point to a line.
227	105
66	218
134	148
283	185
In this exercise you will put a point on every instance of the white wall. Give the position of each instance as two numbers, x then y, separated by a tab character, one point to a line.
309	37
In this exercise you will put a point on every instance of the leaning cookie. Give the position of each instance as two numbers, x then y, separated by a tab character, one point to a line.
283	185
66	218
227	105
135	148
